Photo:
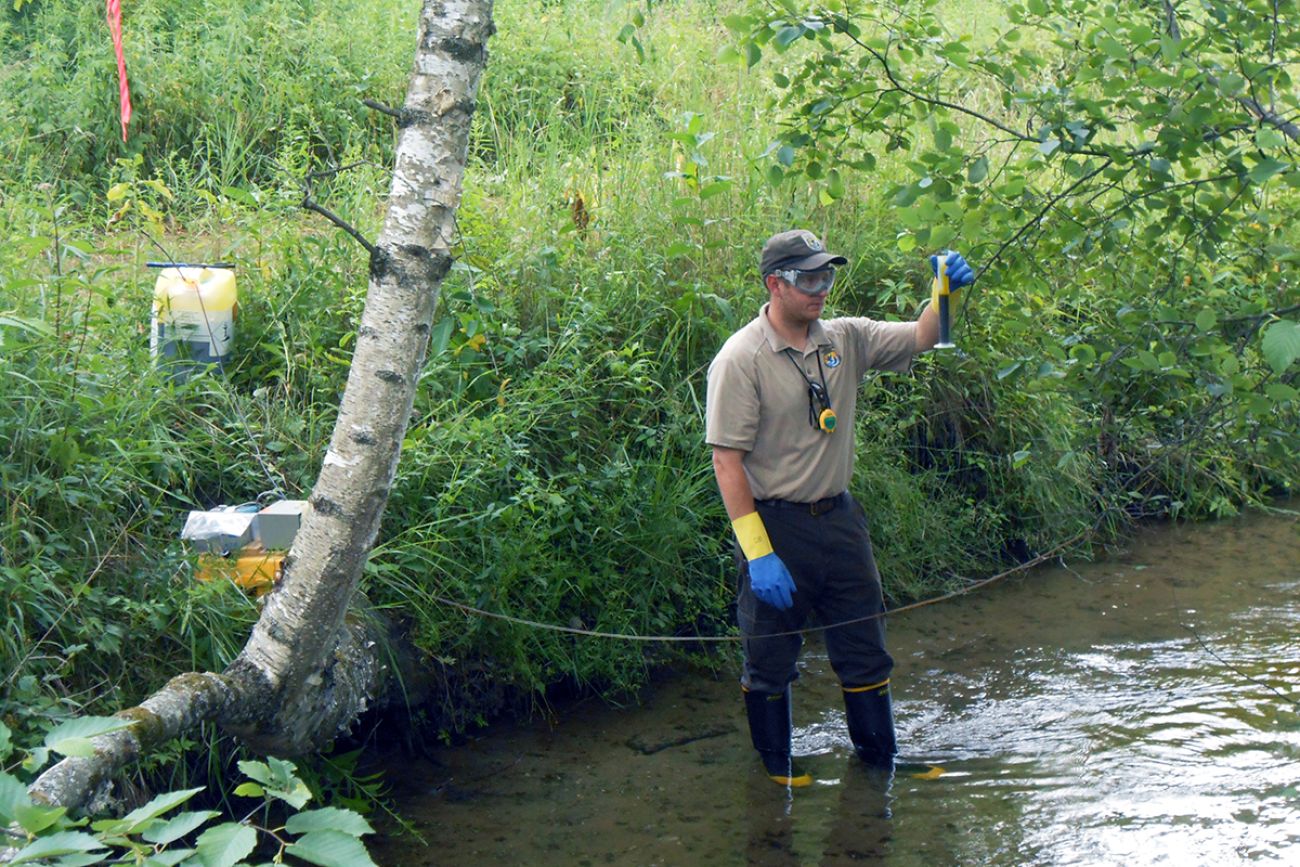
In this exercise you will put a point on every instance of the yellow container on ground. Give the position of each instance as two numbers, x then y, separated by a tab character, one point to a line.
194	314
254	569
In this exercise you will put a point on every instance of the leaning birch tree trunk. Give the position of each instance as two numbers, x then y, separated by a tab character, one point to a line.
309	668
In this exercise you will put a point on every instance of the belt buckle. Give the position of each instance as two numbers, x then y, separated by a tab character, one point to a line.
821	507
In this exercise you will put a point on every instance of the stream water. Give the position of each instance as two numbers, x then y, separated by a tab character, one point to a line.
1139	710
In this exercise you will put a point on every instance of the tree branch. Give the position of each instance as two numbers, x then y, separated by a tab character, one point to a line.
381	108
310	204
1037	218
186	701
1252	106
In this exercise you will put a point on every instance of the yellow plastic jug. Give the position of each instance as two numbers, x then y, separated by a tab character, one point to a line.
193	314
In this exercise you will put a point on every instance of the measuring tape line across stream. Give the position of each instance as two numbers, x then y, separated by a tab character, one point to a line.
572	630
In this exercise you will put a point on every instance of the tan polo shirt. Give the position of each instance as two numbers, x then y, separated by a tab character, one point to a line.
758	401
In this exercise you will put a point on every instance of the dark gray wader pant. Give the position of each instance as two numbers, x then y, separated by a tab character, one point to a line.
827	548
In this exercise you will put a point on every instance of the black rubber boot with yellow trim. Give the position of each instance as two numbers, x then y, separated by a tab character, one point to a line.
769	727
871	723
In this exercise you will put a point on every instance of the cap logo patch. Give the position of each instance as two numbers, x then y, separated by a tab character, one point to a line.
811	240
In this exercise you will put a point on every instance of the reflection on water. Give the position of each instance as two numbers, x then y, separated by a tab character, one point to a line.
1142	710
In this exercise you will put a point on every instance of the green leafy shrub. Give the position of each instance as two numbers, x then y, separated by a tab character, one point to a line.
154	835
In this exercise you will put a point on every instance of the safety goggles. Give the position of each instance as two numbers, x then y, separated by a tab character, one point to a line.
809	282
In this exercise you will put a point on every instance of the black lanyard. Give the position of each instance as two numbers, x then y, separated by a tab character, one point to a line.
820	414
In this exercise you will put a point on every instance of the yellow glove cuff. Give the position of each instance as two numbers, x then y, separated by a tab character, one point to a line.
752	536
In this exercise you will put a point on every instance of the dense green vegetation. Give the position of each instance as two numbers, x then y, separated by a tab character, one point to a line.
622	179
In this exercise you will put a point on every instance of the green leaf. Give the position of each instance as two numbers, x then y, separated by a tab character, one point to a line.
328	819
1282	344
133	821
708	191
1280	392
72	738
906	243
1266	168
1268	138
1232	84
13	794
787	35
259	771
225	845
83	860
35	818
440	336
753	54
249	790
835	184
243	197
978	171
63	843
1206	320
1113	47
331	849
280	780
1083	353
170	858
81	249
36	759
183	823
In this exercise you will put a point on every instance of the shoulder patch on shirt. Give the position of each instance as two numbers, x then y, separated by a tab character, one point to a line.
832	358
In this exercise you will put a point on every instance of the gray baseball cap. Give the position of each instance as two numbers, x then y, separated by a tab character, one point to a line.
796	249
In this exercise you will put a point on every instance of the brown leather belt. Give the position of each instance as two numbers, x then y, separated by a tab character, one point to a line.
815	508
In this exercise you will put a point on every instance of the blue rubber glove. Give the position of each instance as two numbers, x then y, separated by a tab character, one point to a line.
768	577
959	271
771	581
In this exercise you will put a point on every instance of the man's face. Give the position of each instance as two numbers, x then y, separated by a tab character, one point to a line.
795	305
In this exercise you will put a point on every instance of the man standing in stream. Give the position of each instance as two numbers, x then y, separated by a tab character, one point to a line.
782	396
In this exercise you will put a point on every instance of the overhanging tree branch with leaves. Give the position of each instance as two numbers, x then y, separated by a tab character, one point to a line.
1114	169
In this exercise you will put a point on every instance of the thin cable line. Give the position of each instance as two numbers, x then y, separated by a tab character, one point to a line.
718	639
